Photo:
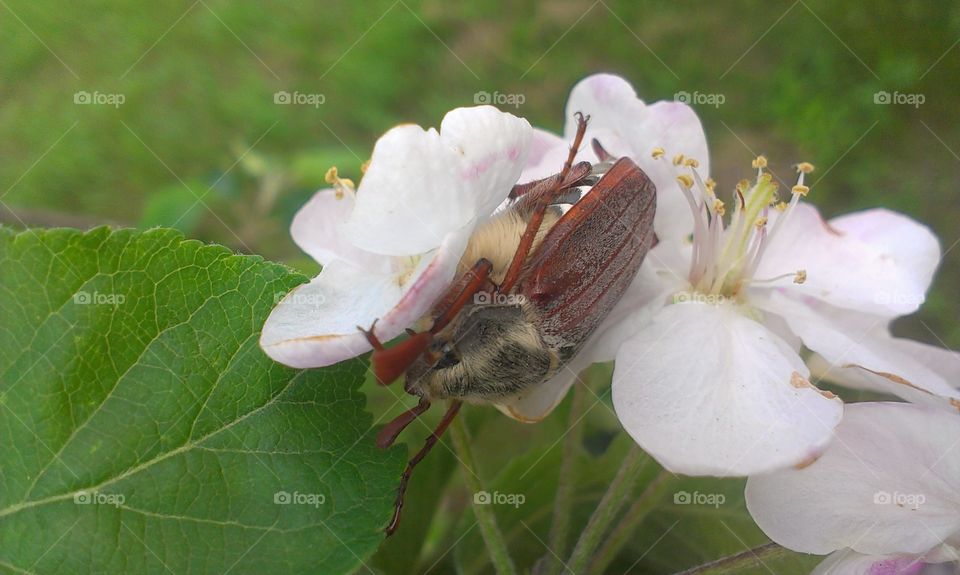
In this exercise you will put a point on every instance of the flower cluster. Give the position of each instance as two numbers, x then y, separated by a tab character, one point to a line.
747	302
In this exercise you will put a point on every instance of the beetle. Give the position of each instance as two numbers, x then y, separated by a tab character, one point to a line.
540	284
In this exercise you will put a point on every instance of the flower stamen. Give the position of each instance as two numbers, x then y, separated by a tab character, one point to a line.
340	185
725	258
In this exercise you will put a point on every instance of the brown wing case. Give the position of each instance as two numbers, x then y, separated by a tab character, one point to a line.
589	257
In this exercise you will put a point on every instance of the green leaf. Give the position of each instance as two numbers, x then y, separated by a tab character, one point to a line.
144	431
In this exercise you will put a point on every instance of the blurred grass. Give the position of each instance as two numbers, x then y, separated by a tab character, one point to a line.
199	79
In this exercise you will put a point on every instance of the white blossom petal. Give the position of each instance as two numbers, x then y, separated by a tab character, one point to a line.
422	185
874	261
847	562
625	125
889	484
858	350
709	391
318	229
316	324
548	151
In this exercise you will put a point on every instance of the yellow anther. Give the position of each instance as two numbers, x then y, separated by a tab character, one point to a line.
692	162
339	184
743	185
331	176
364	166
799	189
658	153
805	167
678	159
800	277
719	207
761	221
685	181
760	162
781	207
710	185
765	177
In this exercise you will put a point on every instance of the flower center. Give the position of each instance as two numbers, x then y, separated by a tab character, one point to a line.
726	257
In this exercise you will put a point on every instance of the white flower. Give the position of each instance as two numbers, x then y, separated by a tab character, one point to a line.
391	248
883	498
625	126
728	393
709	377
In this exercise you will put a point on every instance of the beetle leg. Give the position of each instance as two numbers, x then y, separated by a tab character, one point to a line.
390	431
390	363
577	140
540	207
427	446
460	293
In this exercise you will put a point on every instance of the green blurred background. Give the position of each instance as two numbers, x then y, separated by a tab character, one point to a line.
199	118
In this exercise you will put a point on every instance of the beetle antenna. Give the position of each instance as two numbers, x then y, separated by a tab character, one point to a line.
427	446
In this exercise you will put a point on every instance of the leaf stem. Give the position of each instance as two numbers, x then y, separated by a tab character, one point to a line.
621	533
618	492
563	502
496	545
736	563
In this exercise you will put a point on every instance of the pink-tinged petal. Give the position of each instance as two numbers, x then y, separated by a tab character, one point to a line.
548	152
550	162
887	485
875	261
318	229
316	324
857	350
847	562
708	391
676	128
911	244
627	126
642	299
422	185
